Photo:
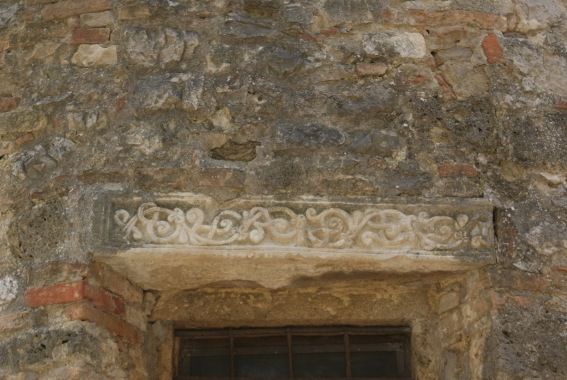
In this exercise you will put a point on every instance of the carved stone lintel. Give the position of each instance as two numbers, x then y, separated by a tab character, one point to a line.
308	224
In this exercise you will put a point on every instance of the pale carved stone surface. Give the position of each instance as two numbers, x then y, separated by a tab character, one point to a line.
364	227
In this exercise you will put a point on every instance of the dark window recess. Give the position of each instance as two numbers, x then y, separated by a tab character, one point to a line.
294	353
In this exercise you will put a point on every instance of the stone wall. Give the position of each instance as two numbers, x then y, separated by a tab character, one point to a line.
407	100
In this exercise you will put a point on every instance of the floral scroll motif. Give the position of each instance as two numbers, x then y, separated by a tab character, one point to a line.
368	229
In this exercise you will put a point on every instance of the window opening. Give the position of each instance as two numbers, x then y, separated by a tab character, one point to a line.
294	353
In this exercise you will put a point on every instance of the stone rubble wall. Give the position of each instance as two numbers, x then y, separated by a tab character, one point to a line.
384	98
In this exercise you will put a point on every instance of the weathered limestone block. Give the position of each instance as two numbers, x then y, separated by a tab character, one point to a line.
95	55
244	27
98	19
170	91
148	48
350	12
402	44
7	13
8	290
466	79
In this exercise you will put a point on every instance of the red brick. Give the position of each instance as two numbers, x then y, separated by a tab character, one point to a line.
492	49
55	294
85	312
68	8
561	105
475	19
9	104
561	269
450	169
115	283
73	292
104	300
90	36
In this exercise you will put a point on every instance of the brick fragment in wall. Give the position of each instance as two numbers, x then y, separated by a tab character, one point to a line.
9	104
115	283
73	292
492	49
84	312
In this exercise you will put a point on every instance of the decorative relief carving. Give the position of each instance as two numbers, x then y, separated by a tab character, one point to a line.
365	228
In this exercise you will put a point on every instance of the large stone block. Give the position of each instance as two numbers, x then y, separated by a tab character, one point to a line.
143	238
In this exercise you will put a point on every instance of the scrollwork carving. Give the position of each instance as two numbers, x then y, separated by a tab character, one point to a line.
367	229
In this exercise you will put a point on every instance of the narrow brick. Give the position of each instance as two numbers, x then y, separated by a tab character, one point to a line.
73	292
85	312
90	36
9	104
68	8
561	105
492	49
55	294
104	299
450	169
115	283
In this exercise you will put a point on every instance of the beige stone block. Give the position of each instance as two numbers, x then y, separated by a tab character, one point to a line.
448	301
97	19
95	55
13	321
364	69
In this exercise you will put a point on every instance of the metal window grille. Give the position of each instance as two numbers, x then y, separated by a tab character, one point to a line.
294	353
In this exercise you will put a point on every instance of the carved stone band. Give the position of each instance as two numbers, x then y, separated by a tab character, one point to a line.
308	224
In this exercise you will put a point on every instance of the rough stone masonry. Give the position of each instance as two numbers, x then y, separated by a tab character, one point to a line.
403	101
